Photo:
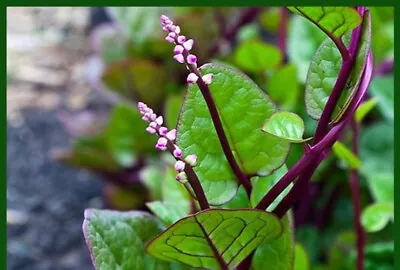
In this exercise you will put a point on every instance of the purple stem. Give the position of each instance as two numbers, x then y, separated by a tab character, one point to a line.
385	68
355	192
282	34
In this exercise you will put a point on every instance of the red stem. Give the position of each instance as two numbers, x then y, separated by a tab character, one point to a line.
282	34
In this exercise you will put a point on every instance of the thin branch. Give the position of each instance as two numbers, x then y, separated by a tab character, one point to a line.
355	194
282	34
205	90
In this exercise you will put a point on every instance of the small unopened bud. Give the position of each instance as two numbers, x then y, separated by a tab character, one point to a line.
191	160
177	152
153	117
153	125
178	49
179	165
191	59
192	78
172	28
169	39
163	131
171	135
188	45
172	35
162	144
159	120
181	177
177	29
150	130
179	58
181	39
208	78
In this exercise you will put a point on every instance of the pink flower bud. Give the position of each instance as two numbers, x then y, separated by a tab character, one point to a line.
145	118
163	131
141	105
178	49
177	29
192	78
177	152
179	58
153	117
179	165
171	28
150	130
188	45
159	120
208	78
162	144
153	125
169	39
163	18
181	39
171	135
191	59
191	160
181	177
172	35
165	29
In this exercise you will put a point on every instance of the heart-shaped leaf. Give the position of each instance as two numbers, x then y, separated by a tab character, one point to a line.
364	109
216	237
376	216
279	252
334	21
346	155
324	70
285	125
242	107
257	56
117	239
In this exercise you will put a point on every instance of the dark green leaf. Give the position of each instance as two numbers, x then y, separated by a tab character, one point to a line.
376	216
242	107
334	21
233	234
116	239
285	125
381	185
257	56
324	70
278	253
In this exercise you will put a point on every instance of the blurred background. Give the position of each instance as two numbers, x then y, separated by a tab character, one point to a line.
75	139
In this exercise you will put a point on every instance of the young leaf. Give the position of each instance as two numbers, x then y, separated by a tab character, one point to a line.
126	135
285	125
215	237
376	216
257	56
116	239
364	109
242	107
324	70
279	252
334	21
383	89
346	155
301	261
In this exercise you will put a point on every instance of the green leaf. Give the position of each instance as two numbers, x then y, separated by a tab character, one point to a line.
257	56
285	125
346	155
135	80
270	19
261	186
242	107
324	70
377	149
376	216
381	185
301	261
116	239
383	89
283	87
172	190
240	200
232	234
304	38
334	21
169	212
126	135
364	109
279	252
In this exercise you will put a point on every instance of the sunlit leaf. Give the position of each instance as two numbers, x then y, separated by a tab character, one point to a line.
376	216
346	155
364	109
285	125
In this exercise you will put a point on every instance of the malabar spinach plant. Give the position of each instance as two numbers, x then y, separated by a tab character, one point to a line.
226	202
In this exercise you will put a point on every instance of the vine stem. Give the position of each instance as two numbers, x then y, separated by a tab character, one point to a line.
282	34
355	192
205	90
